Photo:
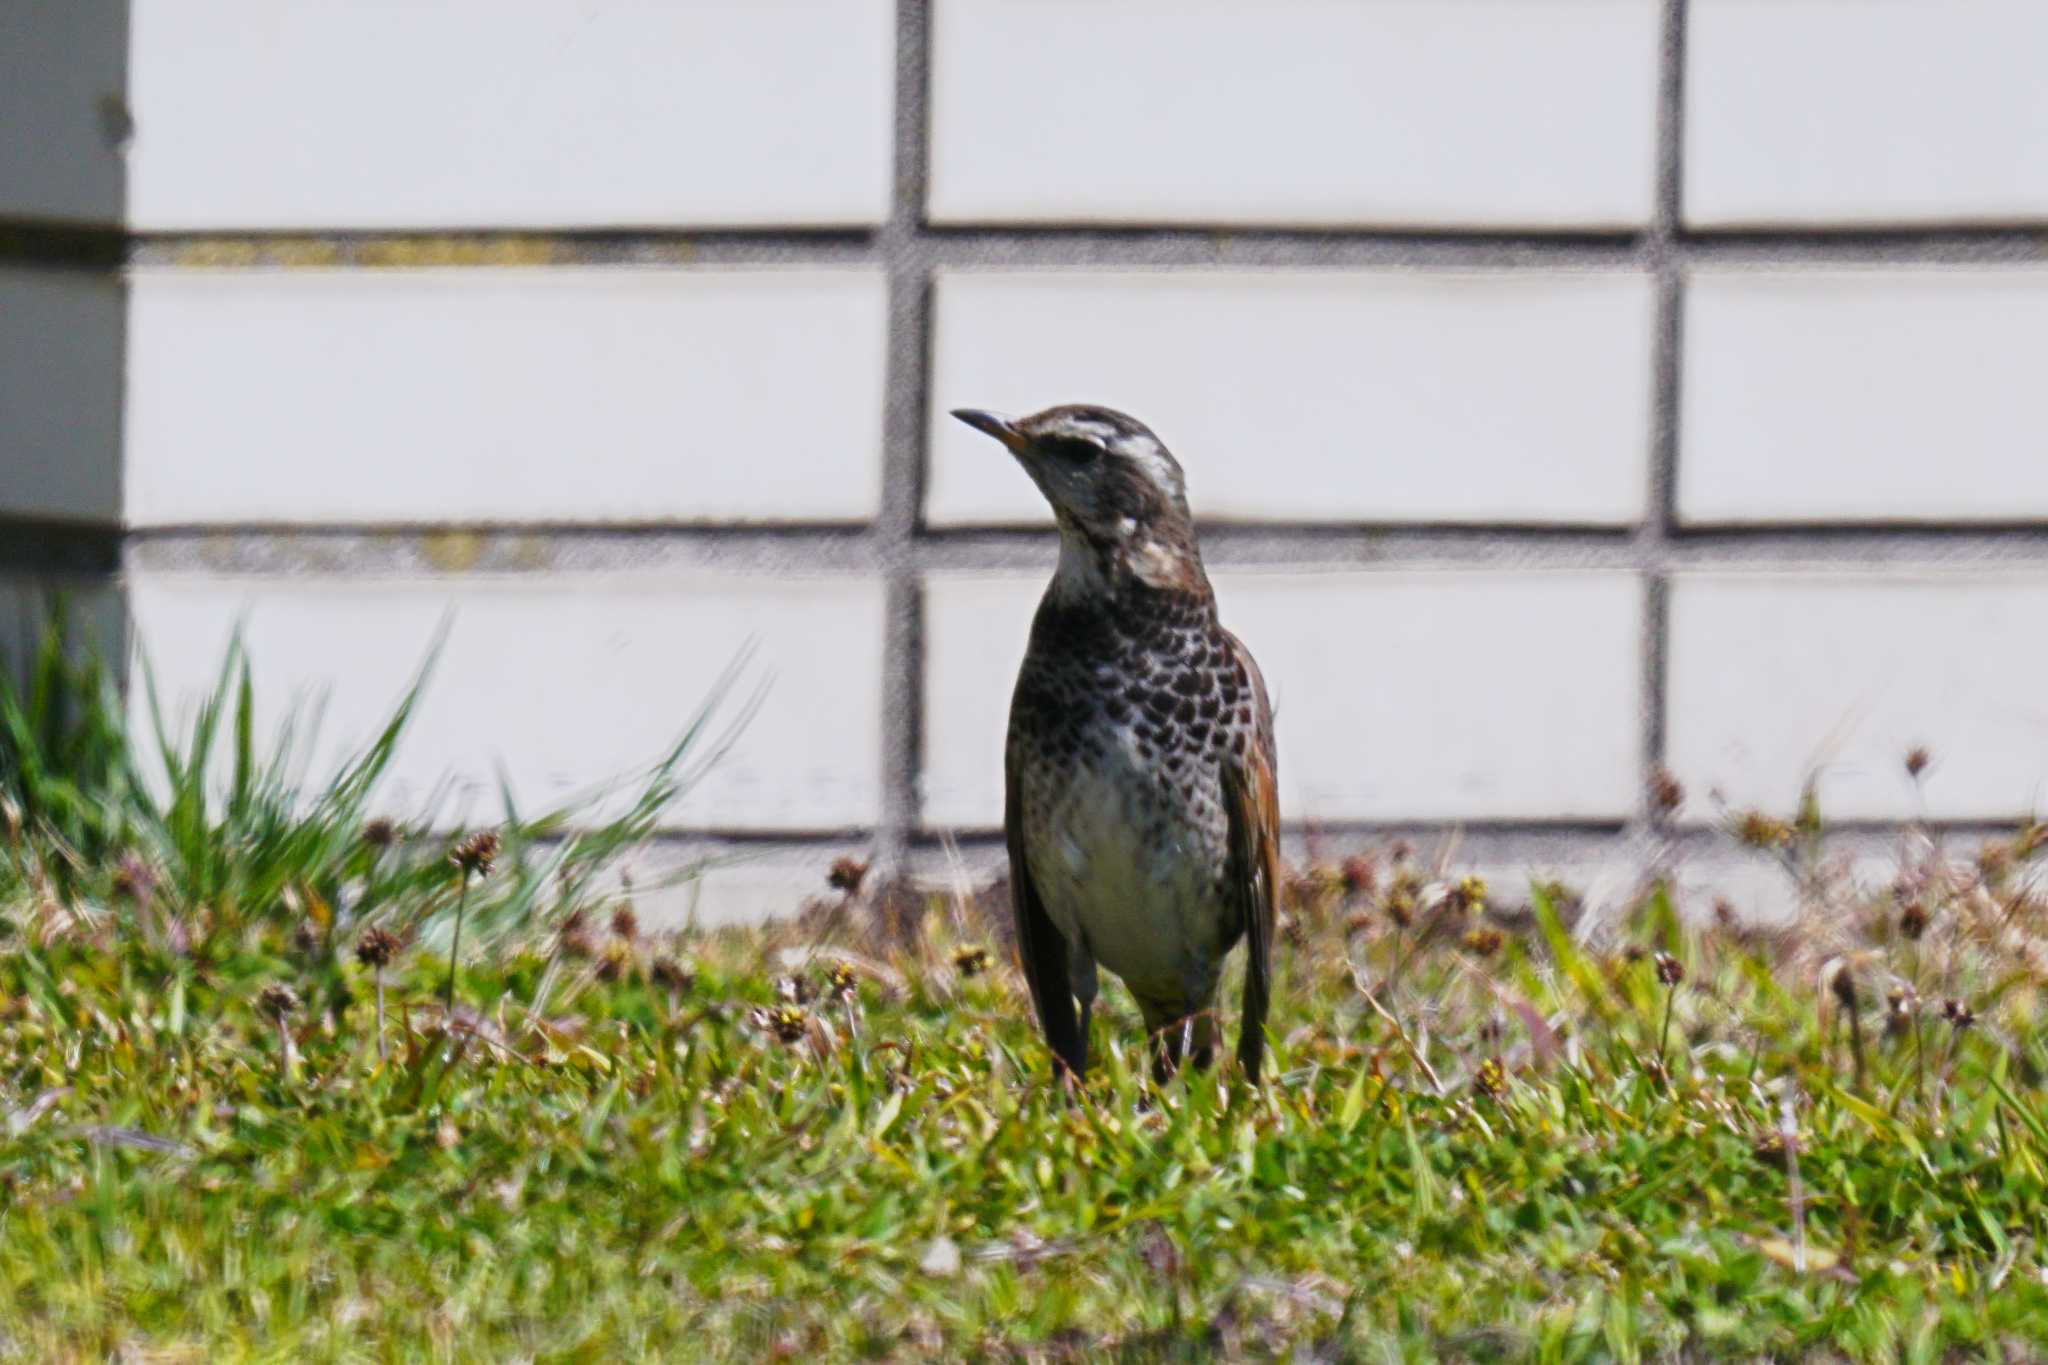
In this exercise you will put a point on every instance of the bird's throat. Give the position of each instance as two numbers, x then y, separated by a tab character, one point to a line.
1137	564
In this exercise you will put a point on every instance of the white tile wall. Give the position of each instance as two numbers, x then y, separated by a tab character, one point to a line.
482	395
1527	112
1515	395
561	682
510	113
1315	396
1865	111
1893	395
1397	696
62	104
1775	677
60	394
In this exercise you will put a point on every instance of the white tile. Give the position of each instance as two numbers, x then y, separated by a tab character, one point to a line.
1897	395
1397	696
709	887
1886	111
560	683
1312	396
504	395
62	109
60	394
975	632
1529	112
510	113
1777	677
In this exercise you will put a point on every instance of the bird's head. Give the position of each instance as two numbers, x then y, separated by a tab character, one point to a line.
1112	484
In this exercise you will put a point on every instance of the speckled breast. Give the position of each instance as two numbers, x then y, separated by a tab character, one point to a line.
1118	732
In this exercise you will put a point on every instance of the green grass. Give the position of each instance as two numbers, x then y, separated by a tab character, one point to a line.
1512	1145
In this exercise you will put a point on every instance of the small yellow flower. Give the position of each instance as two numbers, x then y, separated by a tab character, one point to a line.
789	1023
1758	830
1483	940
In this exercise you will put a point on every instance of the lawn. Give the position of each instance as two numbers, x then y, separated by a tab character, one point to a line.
241	1121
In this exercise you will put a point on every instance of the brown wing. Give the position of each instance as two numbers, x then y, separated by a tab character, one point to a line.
1251	799
1040	946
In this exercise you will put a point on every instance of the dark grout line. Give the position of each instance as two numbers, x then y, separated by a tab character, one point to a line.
1562	829
904	555
906	383
1654	536
30	545
1080	247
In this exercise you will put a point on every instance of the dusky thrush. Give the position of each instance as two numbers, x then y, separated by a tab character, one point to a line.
1140	804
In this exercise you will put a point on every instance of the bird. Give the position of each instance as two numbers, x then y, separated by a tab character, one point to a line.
1141	808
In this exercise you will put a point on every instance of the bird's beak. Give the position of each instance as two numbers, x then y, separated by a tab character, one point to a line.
996	425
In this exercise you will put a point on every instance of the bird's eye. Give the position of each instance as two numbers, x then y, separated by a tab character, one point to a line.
1076	450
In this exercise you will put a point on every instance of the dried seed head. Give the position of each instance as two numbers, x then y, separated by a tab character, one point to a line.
612	963
1360	876
377	947
305	938
1483	940
1917	759
278	1000
672	975
846	875
1160	1255
1670	971
625	923
1958	1013
133	879
1314	887
1666	795
1357	923
477	854
1843	984
1724	912
1400	906
1913	920
971	960
1898	1012
380	834
1994	860
577	940
1755	829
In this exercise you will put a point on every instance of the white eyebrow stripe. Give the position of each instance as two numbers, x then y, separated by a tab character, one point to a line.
1088	429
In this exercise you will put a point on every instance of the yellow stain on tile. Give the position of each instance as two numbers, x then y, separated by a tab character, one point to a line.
452	551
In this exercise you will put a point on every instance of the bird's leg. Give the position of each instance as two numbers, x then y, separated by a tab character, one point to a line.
1198	1029
1202	1050
1083	981
1165	1053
